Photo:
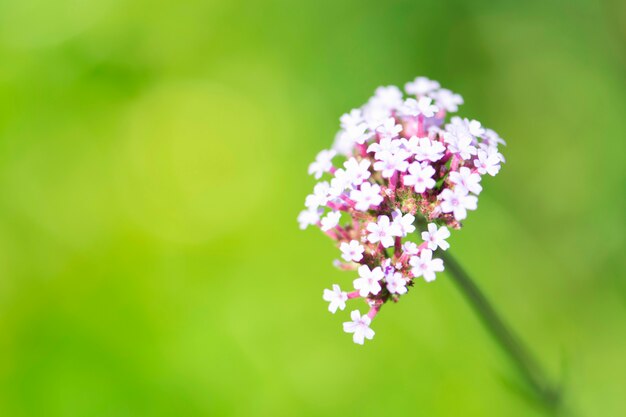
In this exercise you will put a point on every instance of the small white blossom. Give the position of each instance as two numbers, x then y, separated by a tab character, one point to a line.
352	119
367	283
396	284
403	223
309	217
336	298
320	196
414	107
474	127
457	202
420	177
323	163
462	127
385	145
339	183
426	149
343	144
389	163
487	163
330	221
465	178
359	133
492	139
425	266
383	231
375	113
436	237
360	326
368	195
356	171
389	129
447	99
389	97
460	144
421	86
410	248
352	251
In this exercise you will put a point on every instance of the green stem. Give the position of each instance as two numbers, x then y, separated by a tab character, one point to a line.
526	363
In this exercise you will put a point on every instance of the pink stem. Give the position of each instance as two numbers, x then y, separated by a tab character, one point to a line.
398	246
393	182
373	311
343	232
362	149
336	206
420	126
348	201
454	165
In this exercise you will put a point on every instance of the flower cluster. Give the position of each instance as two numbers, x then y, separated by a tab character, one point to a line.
397	165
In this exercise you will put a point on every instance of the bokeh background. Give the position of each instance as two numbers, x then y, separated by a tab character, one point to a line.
153	160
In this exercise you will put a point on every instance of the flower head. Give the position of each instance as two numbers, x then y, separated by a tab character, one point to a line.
398	166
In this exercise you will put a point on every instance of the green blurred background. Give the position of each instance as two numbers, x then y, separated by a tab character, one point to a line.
153	160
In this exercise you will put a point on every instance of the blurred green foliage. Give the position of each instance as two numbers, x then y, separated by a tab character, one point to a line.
153	160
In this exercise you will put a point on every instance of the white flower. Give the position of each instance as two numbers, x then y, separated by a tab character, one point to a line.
420	177
425	266
474	127
320	196
368	195
410	248
382	231
421	86
359	133
389	129
385	145
389	97
465	178
323	163
360	326
487	163
330	221
336	298
447	99
356	171
396	284
309	216
352	251
343	144
436	237
457	201
403	223
352	119
389	163
492	139
426	149
339	183
368	280
375	113
460	144
412	107
465	126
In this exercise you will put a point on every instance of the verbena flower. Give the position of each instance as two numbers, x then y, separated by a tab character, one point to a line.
397	164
